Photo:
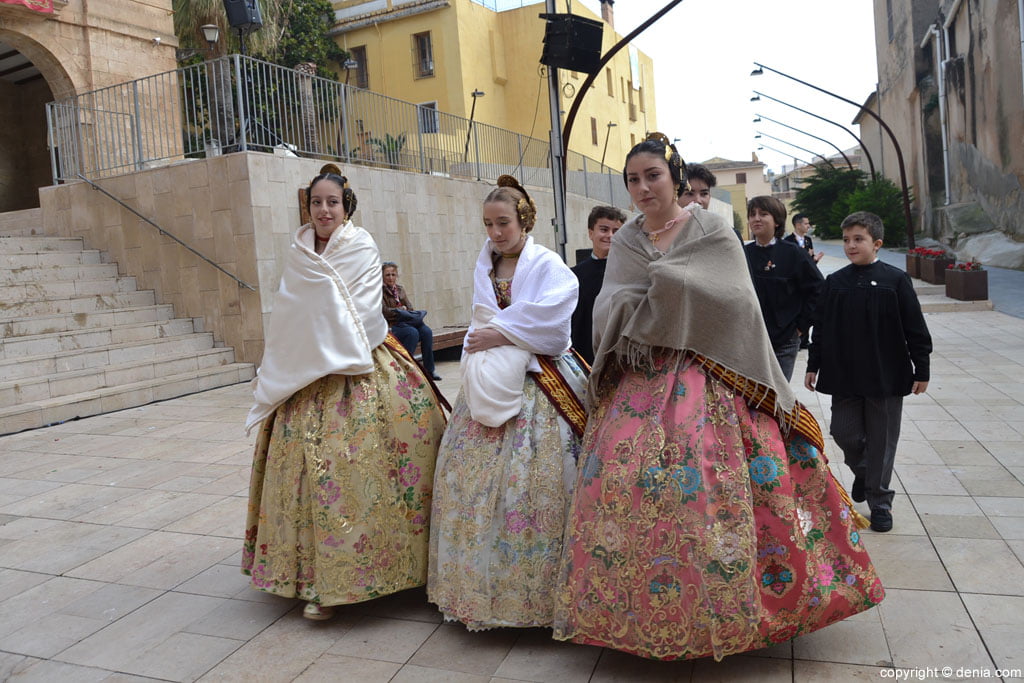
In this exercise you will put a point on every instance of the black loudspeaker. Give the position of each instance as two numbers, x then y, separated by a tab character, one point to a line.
243	15
572	42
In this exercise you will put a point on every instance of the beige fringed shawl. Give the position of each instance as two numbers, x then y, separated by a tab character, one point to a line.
696	298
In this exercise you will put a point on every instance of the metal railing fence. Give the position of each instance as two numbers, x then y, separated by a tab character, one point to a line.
237	103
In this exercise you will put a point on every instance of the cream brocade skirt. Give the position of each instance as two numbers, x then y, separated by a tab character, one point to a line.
501	500
340	495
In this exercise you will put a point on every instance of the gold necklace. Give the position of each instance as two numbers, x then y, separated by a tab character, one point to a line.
653	235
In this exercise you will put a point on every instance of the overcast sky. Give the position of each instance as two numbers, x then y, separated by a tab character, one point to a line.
703	53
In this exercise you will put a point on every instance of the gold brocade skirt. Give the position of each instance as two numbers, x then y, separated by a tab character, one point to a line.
340	495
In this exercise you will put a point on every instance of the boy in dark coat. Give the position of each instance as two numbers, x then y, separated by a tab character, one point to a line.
603	222
871	348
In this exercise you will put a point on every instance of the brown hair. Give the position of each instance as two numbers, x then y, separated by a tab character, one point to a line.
509	190
333	173
866	220
609	212
658	144
772	206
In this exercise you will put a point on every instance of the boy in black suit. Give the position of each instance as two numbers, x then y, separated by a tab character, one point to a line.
871	346
603	222
799	236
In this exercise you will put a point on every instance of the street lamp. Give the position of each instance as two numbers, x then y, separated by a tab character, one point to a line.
846	158
864	150
211	32
892	137
802	149
779	151
607	133
472	112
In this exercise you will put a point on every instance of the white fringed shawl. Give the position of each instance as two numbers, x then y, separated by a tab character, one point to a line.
544	293
327	316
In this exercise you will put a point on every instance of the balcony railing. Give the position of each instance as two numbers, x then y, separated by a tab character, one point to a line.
238	103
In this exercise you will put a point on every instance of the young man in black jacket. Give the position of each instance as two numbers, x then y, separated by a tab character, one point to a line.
602	224
785	279
871	347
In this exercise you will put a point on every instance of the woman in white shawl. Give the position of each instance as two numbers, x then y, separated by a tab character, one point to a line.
339	500
507	459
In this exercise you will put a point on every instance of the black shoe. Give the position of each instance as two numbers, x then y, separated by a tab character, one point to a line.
857	492
881	520
436	377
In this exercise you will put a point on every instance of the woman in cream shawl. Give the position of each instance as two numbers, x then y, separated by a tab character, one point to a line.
339	500
507	459
705	520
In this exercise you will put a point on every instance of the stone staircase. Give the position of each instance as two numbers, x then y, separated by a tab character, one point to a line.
77	340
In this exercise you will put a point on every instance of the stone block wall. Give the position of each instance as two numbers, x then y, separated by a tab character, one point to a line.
240	211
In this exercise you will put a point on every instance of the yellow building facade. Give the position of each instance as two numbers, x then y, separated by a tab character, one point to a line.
436	53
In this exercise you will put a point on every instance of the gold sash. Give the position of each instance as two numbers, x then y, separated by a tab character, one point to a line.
561	395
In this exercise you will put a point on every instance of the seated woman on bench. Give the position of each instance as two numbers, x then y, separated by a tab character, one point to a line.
405	322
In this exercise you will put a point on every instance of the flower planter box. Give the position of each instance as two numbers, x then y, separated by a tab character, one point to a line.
967	285
914	265
933	270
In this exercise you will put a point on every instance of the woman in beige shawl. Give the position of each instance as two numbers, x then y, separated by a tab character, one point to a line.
704	518
339	500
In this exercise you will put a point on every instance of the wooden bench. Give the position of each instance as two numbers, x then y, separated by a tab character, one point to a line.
448	336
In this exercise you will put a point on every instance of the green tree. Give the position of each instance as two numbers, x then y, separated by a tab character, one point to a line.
305	37
823	197
883	198
189	15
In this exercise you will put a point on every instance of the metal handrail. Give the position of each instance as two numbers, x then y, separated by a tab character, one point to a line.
163	232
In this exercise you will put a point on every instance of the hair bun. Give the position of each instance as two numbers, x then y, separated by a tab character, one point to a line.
526	208
330	168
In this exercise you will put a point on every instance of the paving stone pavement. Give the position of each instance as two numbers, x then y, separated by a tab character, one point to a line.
120	539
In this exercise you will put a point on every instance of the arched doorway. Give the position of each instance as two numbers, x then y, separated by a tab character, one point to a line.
30	77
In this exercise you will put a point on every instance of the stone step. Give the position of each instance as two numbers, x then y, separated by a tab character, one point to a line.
940	303
114	354
66	322
21	223
30	259
61	273
922	288
51	411
57	342
42	388
13	245
85	304
38	291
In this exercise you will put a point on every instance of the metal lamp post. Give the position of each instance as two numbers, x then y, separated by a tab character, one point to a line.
867	155
802	149
779	151
611	124
469	131
780	123
892	137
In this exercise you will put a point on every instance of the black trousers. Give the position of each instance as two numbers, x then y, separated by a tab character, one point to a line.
868	430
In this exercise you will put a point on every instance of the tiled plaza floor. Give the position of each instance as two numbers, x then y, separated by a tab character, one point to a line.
120	539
